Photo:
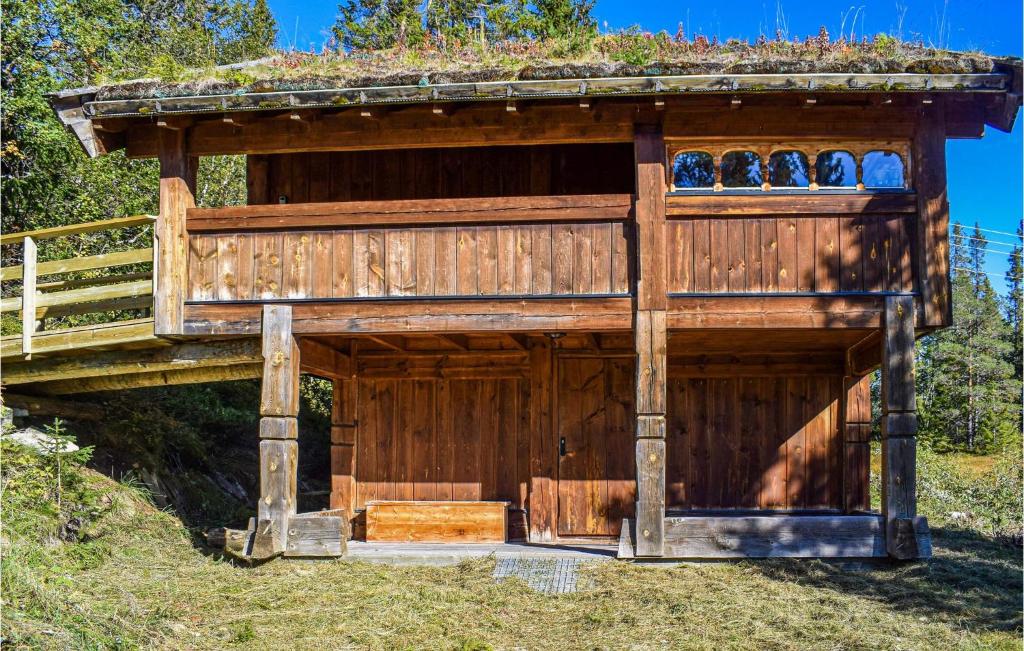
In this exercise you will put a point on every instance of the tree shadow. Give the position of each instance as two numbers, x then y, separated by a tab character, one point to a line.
972	581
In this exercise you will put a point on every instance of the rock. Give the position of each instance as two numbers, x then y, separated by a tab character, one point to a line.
39	440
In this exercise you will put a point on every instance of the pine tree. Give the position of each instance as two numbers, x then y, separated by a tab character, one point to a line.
1015	301
969	394
379	24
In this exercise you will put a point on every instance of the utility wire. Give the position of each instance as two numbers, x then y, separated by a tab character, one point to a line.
983	239
987	273
989	230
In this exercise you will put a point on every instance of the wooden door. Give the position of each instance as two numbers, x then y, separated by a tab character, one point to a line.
596	479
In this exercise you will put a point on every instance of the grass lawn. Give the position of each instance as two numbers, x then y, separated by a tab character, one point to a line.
136	578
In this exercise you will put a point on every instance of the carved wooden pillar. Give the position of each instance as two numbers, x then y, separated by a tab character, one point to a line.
650	337
170	246
899	428
279	409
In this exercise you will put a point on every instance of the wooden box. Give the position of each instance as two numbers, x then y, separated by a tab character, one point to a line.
441	522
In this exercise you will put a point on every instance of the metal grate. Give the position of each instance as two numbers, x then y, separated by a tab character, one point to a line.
547	575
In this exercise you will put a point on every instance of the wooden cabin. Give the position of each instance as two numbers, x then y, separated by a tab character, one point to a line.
635	309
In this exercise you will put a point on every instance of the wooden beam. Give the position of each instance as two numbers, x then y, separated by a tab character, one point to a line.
932	232
360	318
321	360
899	429
522	342
177	190
766	203
42	406
151	379
864	356
78	229
165	358
649	213
460	341
281	363
279	451
119	333
476	125
389	341
779	311
698	537
420	212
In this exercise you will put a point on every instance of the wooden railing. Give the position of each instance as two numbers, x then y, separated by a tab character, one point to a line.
63	297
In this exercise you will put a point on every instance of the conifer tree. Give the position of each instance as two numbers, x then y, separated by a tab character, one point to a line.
1015	300
969	394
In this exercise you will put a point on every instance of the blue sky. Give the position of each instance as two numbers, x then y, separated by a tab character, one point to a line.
985	176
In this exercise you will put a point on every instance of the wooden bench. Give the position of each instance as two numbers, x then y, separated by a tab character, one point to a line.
456	522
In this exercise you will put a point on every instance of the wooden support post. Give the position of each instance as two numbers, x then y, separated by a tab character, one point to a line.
279	407
543	496
28	295
856	443
170	249
344	431
899	428
928	158
650	337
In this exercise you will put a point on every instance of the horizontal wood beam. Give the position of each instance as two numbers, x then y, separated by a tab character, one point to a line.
492	314
757	202
366	214
119	333
322	360
159	378
478	125
775	312
124	362
77	229
43	406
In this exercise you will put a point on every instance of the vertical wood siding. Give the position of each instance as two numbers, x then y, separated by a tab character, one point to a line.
862	253
754	442
487	260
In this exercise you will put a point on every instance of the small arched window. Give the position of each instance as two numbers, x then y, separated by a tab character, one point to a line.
882	169
693	169
835	169
741	169
788	169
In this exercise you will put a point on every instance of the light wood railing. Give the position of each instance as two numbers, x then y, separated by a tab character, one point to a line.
63	297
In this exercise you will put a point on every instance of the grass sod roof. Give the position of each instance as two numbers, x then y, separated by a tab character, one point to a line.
624	64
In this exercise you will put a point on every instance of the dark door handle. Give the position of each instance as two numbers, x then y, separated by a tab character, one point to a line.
561	447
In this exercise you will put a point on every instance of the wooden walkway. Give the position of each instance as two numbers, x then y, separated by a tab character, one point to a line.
56	354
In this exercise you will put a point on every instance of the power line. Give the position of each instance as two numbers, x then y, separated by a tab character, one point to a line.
988	230
987	273
983	239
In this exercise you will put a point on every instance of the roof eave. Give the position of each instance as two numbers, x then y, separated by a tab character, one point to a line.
78	108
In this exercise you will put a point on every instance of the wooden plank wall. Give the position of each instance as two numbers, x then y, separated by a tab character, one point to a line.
759	442
443	439
595	415
487	260
861	253
443	173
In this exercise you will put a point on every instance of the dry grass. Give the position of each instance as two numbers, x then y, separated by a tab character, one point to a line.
139	581
624	54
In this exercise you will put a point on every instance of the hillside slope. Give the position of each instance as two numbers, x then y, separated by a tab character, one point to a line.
108	570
